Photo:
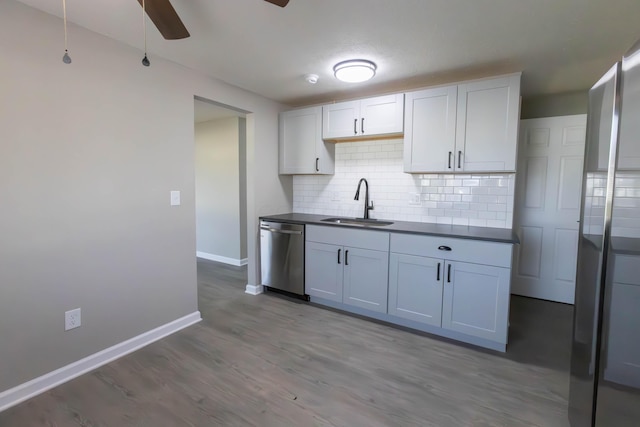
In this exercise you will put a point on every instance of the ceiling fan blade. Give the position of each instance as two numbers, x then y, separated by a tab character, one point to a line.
165	18
281	3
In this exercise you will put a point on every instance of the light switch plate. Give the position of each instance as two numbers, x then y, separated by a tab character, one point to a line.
175	198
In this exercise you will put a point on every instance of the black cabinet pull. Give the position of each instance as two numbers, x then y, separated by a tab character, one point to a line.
444	248
449	159
346	257
339	250
317	166
362	126
449	274
438	278
459	157
355	126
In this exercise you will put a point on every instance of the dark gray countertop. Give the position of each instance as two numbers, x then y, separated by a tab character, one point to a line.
458	231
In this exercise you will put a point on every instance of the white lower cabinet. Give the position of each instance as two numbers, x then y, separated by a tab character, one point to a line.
354	275
415	288
475	300
323	271
458	288
460	285
365	279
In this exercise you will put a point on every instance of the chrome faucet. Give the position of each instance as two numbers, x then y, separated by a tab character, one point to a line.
368	206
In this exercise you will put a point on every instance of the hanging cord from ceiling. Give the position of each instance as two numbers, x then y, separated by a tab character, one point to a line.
145	60
65	58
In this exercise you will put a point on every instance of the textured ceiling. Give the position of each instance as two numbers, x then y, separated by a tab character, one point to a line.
560	45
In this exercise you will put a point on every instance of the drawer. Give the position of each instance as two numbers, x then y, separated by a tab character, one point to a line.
364	239
466	250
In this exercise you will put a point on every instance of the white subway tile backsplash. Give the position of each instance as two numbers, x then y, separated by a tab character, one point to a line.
484	200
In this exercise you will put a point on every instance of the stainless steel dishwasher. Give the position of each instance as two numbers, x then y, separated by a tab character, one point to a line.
282	256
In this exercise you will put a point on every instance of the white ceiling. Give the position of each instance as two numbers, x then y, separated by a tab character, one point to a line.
560	45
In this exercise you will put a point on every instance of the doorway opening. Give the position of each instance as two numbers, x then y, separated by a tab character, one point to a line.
220	136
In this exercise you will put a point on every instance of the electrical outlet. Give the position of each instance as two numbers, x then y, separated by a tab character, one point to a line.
414	199
72	319
335	196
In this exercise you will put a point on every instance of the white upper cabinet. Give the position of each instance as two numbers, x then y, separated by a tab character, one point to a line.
381	115
341	120
487	125
469	127
430	129
301	148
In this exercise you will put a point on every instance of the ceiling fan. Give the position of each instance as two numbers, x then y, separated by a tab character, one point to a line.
165	18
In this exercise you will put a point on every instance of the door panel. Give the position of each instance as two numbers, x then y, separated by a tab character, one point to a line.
340	120
476	300
487	125
415	288
366	275
530	252
323	272
548	194
299	135
382	115
430	130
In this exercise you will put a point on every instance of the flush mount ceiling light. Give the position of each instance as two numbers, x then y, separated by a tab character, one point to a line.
354	70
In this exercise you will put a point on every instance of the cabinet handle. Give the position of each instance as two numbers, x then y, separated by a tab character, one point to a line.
444	248
459	157
362	126
438	277
449	159
449	273
346	257
339	250
317	166
355	126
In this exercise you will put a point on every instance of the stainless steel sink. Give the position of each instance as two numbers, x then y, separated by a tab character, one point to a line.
358	221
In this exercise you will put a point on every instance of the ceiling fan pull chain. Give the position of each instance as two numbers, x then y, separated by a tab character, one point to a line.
65	58
145	60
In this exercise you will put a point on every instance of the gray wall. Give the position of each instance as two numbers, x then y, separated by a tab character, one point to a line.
88	155
220	190
562	104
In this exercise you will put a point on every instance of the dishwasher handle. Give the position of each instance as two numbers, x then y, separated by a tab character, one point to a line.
275	230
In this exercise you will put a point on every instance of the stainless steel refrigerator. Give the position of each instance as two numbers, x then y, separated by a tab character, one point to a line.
605	359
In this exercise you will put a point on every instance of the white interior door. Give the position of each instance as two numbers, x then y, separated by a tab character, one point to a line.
547	209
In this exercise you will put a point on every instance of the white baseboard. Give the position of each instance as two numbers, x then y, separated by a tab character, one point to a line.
253	289
39	385
223	259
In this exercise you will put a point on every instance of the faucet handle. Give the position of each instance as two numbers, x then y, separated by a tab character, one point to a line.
370	207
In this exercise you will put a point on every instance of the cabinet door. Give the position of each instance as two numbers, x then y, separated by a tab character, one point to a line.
430	130
382	115
476	300
487	125
366	278
415	288
299	133
341	120
323	270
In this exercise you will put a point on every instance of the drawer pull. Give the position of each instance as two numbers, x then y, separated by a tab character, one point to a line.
444	248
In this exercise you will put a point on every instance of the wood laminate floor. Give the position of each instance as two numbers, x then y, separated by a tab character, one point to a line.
271	361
